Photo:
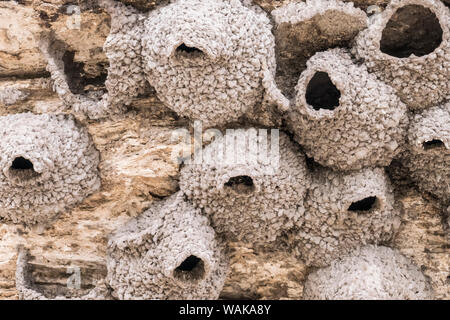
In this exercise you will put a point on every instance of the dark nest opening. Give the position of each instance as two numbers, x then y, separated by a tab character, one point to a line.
241	184
321	93
192	268
78	80
412	29
363	205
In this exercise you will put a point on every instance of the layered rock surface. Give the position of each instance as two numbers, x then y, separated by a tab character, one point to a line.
136	168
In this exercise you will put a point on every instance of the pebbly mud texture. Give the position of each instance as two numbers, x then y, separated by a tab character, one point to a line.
207	60
249	228
408	47
369	273
144	5
210	60
169	252
250	195
304	28
428	155
343	212
48	163
123	48
344	117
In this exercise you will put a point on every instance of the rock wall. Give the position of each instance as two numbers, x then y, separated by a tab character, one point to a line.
136	168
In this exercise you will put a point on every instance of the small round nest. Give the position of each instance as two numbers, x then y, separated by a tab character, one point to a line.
251	186
369	273
344	117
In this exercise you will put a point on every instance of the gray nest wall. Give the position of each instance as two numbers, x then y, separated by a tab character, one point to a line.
344	212
428	155
254	199
415	64
344	117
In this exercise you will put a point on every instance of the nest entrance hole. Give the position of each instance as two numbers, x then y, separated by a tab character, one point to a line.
412	29
364	205
191	269
241	184
23	169
321	93
77	74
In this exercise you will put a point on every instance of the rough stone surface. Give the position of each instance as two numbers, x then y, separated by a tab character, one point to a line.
145	5
370	273
423	237
48	163
414	57
344	117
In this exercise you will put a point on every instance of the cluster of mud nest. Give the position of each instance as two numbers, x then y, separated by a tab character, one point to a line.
356	91
47	164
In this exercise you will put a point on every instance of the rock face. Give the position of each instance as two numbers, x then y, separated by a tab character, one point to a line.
139	147
345	211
